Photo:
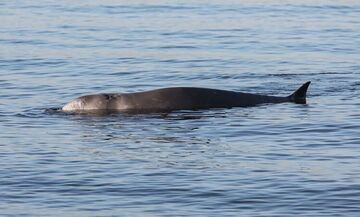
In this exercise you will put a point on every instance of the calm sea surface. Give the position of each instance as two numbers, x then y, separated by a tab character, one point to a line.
270	160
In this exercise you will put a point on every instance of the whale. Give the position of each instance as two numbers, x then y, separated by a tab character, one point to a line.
177	98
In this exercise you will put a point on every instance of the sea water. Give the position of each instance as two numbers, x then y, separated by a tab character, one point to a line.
270	160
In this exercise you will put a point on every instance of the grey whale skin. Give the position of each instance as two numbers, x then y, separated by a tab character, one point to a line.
176	98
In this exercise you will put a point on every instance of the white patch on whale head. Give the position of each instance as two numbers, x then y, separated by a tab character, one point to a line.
76	104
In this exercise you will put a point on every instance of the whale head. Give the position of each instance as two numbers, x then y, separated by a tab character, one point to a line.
89	102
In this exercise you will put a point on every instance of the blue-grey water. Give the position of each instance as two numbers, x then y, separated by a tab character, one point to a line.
270	160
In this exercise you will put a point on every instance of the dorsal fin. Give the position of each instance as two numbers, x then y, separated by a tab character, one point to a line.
299	96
